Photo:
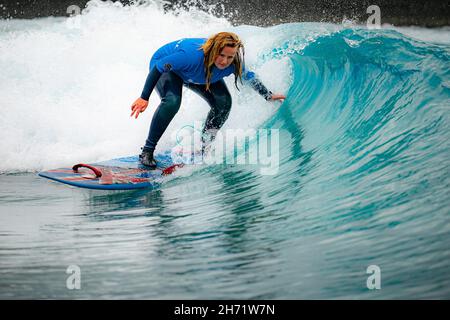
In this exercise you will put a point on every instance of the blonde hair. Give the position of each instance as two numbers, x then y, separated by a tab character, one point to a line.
213	47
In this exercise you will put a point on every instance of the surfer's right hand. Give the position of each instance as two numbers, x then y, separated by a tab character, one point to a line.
138	106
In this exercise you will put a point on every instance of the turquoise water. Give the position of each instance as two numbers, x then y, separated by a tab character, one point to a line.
363	180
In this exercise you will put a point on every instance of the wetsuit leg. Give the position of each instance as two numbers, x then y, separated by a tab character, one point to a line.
169	88
219	99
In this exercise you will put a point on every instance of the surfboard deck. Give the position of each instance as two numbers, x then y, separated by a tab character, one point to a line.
116	174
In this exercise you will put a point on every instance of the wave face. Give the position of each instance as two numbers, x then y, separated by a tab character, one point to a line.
365	152
363	173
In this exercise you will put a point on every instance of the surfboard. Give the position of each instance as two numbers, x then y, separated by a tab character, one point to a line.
116	174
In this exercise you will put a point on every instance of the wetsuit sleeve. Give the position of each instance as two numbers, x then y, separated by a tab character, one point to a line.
251	78
258	86
150	83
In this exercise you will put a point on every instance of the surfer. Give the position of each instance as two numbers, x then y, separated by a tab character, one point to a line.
199	64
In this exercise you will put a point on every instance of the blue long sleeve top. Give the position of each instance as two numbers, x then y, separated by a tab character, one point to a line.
185	58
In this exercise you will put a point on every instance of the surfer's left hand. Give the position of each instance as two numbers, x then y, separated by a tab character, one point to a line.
276	97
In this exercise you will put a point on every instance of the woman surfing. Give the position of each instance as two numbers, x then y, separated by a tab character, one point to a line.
199	64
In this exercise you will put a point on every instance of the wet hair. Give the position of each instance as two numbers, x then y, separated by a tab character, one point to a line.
214	46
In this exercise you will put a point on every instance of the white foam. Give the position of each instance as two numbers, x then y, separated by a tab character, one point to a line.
67	84
435	35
